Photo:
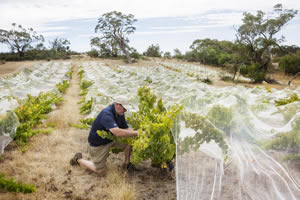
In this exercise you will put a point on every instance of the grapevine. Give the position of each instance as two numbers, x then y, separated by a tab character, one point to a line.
12	186
31	113
221	117
286	140
205	132
157	122
157	144
85	123
294	97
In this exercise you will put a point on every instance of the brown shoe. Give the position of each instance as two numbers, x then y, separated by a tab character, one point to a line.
74	160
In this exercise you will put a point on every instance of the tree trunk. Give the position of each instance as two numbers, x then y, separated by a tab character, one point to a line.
235	67
21	53
123	48
271	81
128	58
293	78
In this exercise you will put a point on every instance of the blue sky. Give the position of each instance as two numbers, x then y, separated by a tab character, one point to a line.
169	23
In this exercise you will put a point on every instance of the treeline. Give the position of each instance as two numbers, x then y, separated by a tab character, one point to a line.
37	54
228	55
26	44
223	54
252	54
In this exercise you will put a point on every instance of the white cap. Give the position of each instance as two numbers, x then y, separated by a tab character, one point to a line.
123	100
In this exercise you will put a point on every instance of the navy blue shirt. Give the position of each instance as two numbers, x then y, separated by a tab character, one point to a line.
106	120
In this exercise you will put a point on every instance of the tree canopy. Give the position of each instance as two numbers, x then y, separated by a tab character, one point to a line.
257	34
19	39
106	47
60	44
153	51
116	26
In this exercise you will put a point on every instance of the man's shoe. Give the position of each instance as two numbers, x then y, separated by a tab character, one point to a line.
74	160
170	166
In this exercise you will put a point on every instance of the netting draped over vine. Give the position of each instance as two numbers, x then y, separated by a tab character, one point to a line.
258	159
14	89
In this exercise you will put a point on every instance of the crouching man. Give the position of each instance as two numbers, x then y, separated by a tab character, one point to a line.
110	119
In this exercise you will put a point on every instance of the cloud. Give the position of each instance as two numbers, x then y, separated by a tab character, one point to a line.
174	30
38	12
48	34
77	18
88	35
50	28
190	24
141	33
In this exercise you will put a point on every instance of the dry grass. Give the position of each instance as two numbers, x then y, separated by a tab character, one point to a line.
63	120
119	188
46	162
123	192
8	68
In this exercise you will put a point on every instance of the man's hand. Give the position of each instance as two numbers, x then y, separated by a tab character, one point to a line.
143	133
119	132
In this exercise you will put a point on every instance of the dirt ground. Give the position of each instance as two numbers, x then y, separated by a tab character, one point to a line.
14	67
46	163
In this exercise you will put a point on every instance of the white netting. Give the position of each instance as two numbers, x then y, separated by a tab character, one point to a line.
248	118
40	78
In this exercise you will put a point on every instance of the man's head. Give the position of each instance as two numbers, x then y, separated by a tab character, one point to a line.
121	104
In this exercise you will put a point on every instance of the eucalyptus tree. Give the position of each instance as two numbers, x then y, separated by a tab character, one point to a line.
167	55
106	47
117	26
153	51
257	34
19	38
60	44
177	54
211	51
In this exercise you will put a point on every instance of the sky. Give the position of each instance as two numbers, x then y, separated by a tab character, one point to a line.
169	23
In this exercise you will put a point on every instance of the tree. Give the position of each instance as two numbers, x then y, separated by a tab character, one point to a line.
116	26
284	50
177	54
107	47
213	52
257	34
153	51
19	39
167	55
40	47
60	44
290	63
134	54
93	53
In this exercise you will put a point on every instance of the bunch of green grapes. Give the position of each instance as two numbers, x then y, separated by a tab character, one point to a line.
205	132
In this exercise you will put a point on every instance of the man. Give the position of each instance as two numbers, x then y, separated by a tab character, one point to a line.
110	119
